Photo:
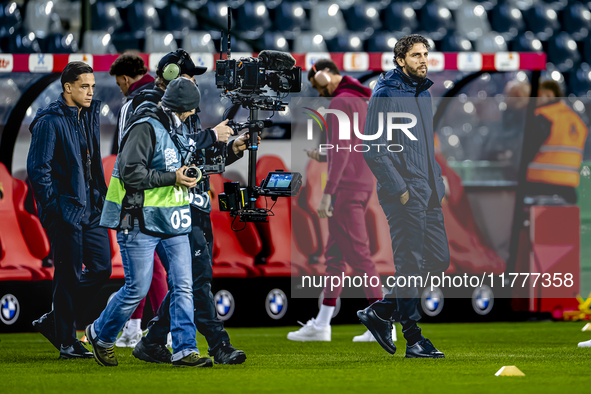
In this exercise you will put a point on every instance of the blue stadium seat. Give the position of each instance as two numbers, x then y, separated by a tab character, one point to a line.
139	19
38	18
252	20
274	41
557	5
127	42
327	19
435	20
160	41
576	19
490	43
198	41
23	43
309	42
105	17
346	42
563	52
381	42
290	19
400	17
471	20
99	43
579	81
10	19
58	43
179	21
456	42
213	16
526	42
542	21
507	20
363	19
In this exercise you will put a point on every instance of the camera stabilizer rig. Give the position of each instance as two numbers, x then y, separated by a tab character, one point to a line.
244	81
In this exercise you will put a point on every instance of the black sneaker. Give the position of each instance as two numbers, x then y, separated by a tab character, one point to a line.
226	354
381	329
152	353
75	351
193	360
46	326
104	356
423	349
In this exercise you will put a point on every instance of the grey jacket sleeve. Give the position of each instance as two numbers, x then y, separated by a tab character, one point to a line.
135	158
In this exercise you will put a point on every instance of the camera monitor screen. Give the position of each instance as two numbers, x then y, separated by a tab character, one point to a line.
279	181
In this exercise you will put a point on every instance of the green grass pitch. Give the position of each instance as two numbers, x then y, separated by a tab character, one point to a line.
546	352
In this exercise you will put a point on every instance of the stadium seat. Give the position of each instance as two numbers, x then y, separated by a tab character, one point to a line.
309	42
213	16
456	42
274	41
126	41
23	43
363	19
160	41
39	17
579	81
177	20
98	42
563	52
198	42
58	43
490	43
290	19
526	42
346	42
471	20
435	20
327	19
10	19
252	20
400	18
507	20
23	241
556	5
139	19
542	21
381	42
105	17
576	19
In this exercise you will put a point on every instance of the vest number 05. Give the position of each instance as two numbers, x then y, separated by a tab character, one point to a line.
181	219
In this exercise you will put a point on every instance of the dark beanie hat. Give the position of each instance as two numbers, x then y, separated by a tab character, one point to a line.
182	95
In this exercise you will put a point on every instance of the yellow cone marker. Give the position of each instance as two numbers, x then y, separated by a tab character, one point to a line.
587	327
510	370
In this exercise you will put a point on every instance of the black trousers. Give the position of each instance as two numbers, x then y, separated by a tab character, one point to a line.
206	320
75	288
419	243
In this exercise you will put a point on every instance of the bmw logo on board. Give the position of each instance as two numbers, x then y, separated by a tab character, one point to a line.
224	304
432	301
276	304
483	300
10	309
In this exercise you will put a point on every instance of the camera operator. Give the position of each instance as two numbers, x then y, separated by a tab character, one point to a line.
148	203
152	347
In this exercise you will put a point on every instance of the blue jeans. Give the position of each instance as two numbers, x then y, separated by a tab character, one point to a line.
137	253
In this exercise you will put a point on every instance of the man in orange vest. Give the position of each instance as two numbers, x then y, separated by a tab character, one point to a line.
560	135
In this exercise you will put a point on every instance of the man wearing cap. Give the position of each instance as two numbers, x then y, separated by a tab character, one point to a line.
152	347
148	204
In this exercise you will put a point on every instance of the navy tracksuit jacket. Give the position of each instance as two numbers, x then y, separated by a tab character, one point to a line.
419	241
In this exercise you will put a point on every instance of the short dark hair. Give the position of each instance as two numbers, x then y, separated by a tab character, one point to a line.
128	64
73	70
321	65
405	44
553	86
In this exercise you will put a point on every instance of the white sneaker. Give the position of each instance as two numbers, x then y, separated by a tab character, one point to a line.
585	344
129	338
169	341
310	332
367	336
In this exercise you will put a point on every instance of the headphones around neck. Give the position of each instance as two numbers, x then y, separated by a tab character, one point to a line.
172	69
321	77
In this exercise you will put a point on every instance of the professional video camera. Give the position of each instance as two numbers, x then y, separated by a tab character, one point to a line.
257	83
213	162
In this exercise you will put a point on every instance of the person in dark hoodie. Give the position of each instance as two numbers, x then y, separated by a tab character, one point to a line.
410	191
132	77
349	186
65	169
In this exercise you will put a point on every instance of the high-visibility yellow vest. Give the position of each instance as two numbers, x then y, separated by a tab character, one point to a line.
559	159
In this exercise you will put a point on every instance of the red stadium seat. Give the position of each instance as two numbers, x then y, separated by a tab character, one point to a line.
116	262
278	253
234	252
22	239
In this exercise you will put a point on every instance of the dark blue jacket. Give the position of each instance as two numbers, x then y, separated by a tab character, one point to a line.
415	168
55	163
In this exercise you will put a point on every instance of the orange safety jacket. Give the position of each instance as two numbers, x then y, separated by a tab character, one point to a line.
559	159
